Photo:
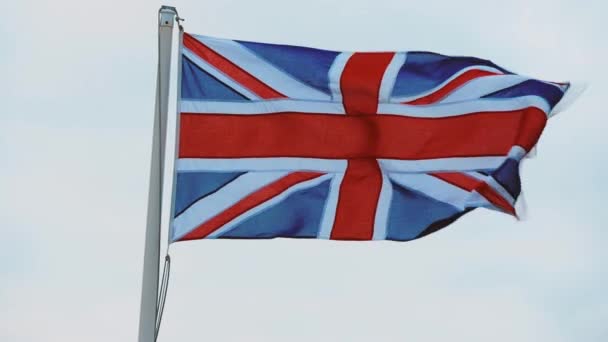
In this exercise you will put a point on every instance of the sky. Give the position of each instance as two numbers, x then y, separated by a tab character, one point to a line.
77	84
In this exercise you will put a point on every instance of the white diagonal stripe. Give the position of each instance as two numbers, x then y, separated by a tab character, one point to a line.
335	74
494	185
432	187
442	110
212	205
390	75
262	70
383	208
331	204
436	189
482	86
268	204
444	83
201	63
500	190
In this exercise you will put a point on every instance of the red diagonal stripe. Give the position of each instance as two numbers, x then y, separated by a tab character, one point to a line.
495	198
249	202
458	179
469	183
366	136
230	69
451	86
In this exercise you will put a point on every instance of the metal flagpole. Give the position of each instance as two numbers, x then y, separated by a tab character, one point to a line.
149	292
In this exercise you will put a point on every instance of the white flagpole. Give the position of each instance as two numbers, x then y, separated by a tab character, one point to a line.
149	291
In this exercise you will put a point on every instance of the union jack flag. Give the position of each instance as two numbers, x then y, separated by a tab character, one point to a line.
286	141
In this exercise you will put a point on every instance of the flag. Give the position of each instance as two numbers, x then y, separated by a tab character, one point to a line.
288	141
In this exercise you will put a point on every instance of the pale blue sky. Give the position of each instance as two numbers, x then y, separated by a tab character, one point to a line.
78	92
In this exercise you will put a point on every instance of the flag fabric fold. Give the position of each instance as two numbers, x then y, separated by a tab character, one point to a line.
287	141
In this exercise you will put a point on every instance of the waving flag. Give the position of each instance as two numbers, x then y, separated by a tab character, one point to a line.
286	141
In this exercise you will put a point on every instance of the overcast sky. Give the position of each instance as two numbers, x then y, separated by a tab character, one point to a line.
77	85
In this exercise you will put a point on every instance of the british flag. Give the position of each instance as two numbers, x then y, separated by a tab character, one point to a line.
286	141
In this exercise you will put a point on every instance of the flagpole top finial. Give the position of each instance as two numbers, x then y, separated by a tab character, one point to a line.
167	14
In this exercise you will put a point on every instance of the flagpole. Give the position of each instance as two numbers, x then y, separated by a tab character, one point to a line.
149	291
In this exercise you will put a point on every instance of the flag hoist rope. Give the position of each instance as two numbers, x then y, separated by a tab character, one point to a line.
152	301
164	285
